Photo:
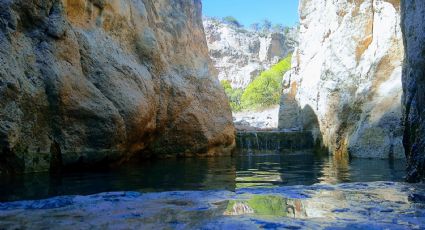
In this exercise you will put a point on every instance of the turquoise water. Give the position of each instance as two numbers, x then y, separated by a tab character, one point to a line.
260	170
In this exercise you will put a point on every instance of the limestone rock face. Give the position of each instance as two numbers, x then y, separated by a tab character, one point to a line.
413	24
345	84
265	119
89	81
240	55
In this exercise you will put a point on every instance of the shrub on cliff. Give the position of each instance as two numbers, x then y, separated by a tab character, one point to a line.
265	90
234	95
232	21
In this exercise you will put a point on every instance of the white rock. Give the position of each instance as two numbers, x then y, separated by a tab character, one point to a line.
240	55
347	71
254	120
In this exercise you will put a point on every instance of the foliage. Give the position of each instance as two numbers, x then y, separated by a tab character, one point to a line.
277	28
234	95
264	27
267	25
255	27
232	21
265	90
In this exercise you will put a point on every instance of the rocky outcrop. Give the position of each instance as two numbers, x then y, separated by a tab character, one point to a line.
345	85
265	119
96	81
413	17
240	55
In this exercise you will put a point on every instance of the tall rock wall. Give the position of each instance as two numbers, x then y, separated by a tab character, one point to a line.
413	24
89	81
240	55
345	84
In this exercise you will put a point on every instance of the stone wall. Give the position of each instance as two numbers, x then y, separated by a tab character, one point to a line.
99	81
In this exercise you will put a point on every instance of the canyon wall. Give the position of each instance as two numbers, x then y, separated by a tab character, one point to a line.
413	24
345	82
240	55
99	81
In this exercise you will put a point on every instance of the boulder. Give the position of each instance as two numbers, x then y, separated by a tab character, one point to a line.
87	82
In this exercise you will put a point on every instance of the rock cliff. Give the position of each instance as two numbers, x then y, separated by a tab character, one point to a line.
98	81
413	17
345	84
240	55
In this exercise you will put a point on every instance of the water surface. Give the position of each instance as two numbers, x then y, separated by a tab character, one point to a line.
224	173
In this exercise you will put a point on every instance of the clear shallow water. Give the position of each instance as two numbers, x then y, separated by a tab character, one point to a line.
226	173
371	205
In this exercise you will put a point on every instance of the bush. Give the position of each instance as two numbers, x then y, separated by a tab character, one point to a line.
267	25
234	95
265	90
255	27
232	21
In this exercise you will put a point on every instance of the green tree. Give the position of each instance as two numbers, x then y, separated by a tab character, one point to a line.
278	28
267	25
265	90
234	95
255	26
232	21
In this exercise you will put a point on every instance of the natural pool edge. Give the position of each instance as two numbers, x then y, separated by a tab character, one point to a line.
375	205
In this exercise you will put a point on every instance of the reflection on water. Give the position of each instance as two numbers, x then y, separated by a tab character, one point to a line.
263	205
306	168
225	173
371	205
345	201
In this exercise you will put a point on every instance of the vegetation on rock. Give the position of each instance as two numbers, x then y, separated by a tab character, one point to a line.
234	95
232	21
265	90
263	27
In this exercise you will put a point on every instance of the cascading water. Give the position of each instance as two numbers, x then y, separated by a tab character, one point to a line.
275	141
256	138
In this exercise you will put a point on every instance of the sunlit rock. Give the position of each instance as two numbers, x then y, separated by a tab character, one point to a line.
105	81
347	73
264	119
240	55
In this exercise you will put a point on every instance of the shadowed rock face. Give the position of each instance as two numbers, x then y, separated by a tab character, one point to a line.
347	69
413	16
84	81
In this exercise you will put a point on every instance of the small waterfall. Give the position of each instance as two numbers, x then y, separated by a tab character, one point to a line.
252	142
256	138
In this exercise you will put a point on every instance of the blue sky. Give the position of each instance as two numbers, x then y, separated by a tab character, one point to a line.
249	11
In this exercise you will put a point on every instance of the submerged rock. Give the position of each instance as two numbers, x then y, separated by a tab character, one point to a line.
377	205
413	12
87	81
345	84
